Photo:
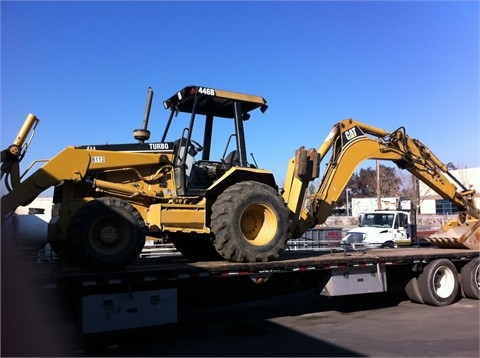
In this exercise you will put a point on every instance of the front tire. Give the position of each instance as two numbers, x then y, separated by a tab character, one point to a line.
389	245
106	234
250	222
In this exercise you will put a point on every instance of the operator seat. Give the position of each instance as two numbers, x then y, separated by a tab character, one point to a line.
231	160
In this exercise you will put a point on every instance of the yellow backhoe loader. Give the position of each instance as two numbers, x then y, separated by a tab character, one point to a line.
109	197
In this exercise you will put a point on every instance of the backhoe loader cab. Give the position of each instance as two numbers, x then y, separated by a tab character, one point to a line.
194	112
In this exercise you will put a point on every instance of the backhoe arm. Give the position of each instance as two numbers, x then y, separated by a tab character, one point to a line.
351	143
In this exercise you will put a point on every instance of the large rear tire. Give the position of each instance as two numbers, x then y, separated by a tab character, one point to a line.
250	222
106	234
438	283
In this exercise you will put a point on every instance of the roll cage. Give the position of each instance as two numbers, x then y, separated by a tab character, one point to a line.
212	103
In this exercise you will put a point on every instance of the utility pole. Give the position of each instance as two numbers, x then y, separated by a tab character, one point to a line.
348	205
379	197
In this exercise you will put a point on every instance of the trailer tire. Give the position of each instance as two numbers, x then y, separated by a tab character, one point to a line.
250	222
106	234
413	292
470	279
438	283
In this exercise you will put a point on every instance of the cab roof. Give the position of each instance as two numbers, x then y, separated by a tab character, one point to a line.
218	103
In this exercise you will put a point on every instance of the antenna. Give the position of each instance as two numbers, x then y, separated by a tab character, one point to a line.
256	165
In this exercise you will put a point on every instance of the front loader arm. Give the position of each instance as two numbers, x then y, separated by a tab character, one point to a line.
351	143
70	164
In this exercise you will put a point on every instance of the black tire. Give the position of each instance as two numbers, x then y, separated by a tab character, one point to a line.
388	245
412	291
106	234
438	283
194	246
250	222
470	279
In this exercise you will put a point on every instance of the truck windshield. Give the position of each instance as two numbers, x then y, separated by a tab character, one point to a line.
377	220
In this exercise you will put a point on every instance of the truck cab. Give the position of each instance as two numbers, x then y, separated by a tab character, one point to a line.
380	229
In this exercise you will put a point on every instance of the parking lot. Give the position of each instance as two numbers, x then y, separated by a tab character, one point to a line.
304	324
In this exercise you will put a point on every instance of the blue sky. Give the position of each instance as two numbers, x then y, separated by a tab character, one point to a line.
84	69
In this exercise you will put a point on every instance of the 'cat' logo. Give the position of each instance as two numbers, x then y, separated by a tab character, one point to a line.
351	134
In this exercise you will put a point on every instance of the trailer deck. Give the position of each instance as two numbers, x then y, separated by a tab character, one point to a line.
176	267
152	290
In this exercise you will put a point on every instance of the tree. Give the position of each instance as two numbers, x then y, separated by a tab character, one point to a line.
363	184
410	188
451	166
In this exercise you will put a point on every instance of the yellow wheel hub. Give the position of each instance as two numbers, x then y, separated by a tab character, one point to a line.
258	224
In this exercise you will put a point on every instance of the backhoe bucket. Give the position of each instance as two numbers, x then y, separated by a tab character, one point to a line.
455	235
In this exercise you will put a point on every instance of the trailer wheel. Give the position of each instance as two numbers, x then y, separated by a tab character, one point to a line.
413	292
438	283
106	234
250	222
195	247
470	279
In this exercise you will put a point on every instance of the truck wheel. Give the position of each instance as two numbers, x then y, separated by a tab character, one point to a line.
250	222
106	234
388	245
470	279
195	247
413	292
438	283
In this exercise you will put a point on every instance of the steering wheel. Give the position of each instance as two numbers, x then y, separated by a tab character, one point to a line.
197	146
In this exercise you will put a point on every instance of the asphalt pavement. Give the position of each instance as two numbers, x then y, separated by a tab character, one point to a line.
305	324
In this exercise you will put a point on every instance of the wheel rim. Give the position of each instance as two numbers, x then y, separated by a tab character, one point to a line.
109	235
444	282
259	225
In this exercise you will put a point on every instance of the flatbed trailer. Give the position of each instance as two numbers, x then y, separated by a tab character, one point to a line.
151	291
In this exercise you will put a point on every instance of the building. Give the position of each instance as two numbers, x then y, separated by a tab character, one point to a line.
363	205
430	202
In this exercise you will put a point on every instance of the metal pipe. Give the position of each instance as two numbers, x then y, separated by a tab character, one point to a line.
148	106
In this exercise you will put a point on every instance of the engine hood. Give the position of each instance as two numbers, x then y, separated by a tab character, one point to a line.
373	234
